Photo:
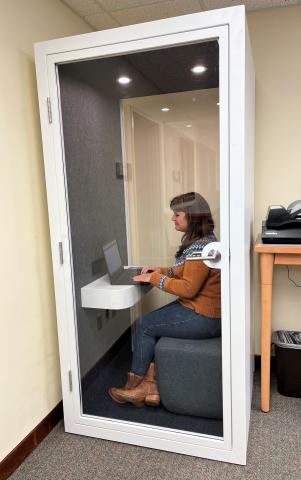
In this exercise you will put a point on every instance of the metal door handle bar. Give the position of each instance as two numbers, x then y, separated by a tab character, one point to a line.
212	255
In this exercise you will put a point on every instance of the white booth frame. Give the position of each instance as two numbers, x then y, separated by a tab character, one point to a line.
236	146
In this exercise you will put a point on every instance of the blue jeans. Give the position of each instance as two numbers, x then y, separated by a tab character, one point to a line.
172	320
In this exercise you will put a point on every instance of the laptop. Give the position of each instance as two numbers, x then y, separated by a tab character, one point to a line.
119	275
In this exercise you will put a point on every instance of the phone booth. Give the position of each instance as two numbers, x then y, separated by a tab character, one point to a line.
132	117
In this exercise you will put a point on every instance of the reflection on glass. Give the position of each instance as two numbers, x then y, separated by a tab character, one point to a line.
162	126
165	158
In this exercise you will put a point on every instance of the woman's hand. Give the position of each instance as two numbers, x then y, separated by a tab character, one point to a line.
144	277
149	270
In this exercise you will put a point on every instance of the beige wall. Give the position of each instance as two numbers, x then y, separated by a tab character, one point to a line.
276	39
30	379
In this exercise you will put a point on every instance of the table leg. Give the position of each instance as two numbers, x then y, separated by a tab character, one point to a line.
266	271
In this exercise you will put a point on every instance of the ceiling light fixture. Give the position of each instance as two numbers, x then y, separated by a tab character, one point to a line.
124	80
189	125
198	69
165	109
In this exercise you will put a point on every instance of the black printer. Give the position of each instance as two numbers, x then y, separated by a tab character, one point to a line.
282	225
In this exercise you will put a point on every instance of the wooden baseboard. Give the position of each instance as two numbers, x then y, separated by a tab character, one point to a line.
14	459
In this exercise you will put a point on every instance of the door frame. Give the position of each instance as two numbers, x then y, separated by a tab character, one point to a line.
228	26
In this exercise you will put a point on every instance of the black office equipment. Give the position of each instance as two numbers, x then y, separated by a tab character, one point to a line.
282	225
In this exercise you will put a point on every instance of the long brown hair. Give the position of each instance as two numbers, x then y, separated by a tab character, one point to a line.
198	215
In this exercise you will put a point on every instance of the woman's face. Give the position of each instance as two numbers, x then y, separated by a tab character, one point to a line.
180	221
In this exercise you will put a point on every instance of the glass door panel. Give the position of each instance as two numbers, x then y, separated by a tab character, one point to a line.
139	130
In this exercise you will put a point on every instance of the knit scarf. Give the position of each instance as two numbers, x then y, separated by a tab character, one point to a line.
197	246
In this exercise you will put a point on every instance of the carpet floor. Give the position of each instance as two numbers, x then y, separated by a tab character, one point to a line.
274	453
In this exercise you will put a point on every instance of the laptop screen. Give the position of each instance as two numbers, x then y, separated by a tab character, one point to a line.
112	257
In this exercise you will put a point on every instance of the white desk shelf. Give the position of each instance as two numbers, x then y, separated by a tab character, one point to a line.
101	294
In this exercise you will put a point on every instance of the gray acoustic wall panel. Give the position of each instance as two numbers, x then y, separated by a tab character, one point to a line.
90	103
92	140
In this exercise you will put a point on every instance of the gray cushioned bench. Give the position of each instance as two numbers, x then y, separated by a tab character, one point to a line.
190	376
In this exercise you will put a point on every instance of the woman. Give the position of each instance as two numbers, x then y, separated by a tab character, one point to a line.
195	314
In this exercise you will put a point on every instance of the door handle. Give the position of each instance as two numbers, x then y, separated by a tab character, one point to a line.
213	256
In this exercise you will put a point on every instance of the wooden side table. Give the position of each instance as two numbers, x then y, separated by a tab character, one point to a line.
270	255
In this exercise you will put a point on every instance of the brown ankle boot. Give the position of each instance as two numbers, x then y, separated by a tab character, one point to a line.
132	382
146	392
153	397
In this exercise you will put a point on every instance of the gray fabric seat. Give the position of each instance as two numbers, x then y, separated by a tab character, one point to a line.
190	376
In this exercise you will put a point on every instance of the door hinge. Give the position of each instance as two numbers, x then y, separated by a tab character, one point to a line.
61	253
49	110
70	380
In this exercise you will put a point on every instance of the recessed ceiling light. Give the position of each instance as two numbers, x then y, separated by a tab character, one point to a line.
124	80
189	125
198	69
165	109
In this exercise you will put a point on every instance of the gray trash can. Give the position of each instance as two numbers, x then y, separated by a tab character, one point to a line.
288	362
